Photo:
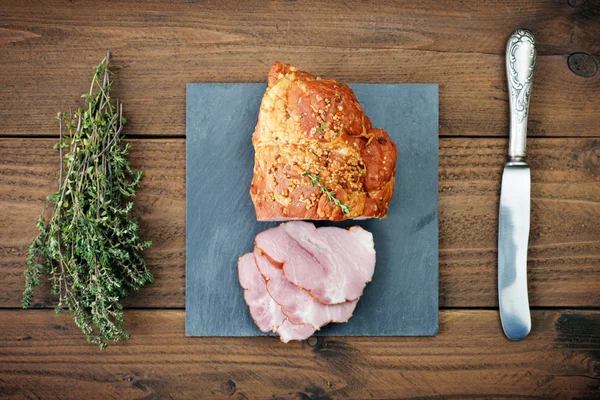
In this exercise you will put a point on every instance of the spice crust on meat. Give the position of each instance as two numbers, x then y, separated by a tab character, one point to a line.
317	155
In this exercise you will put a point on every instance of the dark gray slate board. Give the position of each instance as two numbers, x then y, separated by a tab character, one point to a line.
402	299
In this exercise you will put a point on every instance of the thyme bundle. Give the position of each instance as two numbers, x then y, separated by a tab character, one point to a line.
90	247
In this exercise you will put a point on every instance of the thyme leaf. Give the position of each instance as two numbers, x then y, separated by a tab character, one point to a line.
322	127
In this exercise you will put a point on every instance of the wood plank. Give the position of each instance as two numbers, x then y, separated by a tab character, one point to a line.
45	355
564	257
47	51
427	25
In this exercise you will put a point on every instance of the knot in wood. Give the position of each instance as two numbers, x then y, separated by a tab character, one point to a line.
228	387
576	3
582	64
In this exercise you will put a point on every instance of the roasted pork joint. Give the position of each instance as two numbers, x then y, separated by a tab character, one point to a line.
317	156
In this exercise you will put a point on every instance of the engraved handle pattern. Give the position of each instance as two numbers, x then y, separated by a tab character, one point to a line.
520	64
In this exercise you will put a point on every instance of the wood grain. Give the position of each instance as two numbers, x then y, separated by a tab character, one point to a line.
44	355
47	51
564	252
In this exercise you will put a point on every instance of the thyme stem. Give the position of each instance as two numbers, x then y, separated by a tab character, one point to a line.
330	193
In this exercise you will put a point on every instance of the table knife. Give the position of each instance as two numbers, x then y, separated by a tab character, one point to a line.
515	195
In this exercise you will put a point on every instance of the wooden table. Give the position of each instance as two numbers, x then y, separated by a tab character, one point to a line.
47	50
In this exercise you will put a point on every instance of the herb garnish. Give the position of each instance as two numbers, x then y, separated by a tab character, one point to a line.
330	194
322	127
89	247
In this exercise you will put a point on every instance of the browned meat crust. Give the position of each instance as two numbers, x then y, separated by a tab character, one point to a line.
311	128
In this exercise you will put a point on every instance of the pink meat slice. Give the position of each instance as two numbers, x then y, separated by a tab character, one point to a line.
264	310
266	313
297	304
288	331
333	264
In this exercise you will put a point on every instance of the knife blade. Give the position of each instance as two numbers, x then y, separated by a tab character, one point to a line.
515	194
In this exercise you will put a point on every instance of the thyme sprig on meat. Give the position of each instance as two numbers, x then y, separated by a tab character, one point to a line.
90	247
322	127
330	193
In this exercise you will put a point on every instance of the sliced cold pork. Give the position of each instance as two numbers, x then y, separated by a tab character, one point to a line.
297	304
333	264
288	331
264	310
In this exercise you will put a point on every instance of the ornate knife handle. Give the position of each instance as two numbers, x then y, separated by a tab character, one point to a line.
520	63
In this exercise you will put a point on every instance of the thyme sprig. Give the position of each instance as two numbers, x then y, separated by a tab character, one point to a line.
90	247
322	127
330	193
